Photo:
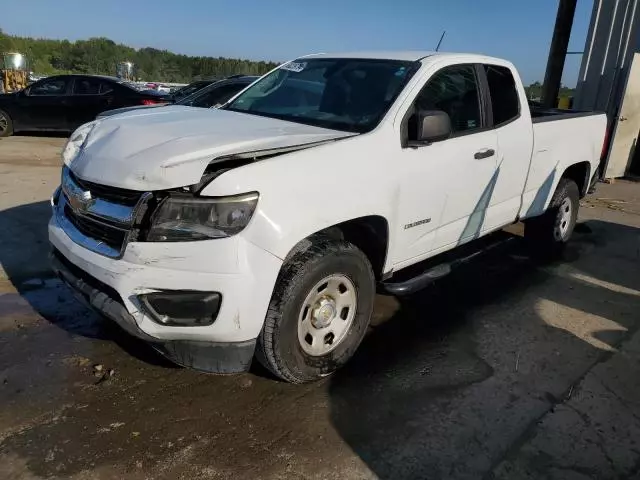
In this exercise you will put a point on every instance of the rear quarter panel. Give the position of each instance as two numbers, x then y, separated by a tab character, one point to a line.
559	144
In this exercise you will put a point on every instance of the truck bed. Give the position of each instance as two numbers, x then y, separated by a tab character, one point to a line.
542	114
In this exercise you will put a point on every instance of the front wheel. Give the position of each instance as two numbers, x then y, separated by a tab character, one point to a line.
6	125
319	311
550	232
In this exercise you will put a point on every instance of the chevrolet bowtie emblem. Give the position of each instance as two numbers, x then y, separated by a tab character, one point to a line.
80	200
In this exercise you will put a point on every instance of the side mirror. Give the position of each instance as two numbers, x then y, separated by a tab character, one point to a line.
432	126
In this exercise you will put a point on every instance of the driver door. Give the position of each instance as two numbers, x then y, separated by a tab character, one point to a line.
446	186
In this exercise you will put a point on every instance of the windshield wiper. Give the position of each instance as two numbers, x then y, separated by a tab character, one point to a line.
330	124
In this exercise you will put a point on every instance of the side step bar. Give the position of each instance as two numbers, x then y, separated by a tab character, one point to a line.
441	270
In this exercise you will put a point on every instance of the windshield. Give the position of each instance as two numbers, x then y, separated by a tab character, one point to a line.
341	94
189	89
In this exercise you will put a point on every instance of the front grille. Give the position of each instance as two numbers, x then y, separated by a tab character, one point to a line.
112	236
99	217
113	194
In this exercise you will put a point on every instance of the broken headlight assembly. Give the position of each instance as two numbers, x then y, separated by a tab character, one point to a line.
186	218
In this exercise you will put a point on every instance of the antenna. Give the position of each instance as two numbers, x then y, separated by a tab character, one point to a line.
440	41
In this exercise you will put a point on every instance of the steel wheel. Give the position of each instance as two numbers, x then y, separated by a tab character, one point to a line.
563	225
327	314
549	233
319	311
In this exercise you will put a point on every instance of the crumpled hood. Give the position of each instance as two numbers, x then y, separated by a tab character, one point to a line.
118	111
160	148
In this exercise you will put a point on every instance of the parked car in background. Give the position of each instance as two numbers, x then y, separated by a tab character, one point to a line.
64	102
190	89
216	93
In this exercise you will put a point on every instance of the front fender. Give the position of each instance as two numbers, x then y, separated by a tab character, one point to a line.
306	191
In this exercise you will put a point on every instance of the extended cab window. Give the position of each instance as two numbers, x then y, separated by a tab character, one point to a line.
454	90
504	95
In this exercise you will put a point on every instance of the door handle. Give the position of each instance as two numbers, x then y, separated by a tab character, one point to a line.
486	153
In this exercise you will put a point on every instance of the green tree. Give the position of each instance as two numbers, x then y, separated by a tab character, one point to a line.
101	55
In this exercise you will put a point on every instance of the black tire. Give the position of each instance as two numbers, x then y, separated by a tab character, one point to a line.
6	124
550	232
279	349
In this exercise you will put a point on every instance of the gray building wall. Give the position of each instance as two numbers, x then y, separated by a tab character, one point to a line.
612	40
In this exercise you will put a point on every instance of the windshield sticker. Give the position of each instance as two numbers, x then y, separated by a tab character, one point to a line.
400	72
294	66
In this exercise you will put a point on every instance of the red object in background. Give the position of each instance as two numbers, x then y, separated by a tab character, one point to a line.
148	101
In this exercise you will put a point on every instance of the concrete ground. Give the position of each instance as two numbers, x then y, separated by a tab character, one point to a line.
508	369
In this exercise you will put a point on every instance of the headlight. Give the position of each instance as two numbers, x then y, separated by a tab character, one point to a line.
76	142
183	219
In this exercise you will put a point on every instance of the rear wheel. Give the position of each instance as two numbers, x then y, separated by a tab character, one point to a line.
550	232
6	125
319	311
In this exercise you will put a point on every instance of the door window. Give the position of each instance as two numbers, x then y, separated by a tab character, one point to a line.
504	95
86	86
454	90
106	87
54	86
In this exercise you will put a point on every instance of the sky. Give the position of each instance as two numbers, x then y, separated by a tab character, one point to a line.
279	30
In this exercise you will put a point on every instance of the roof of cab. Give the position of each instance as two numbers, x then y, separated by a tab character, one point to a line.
403	55
409	56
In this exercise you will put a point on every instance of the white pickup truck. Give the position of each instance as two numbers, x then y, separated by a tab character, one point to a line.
264	228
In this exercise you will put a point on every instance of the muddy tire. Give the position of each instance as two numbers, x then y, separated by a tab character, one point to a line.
6	124
319	311
550	232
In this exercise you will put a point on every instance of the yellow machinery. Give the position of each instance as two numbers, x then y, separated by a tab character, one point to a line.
564	103
14	73
125	71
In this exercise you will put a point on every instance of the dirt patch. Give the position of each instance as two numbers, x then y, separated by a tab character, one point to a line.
31	151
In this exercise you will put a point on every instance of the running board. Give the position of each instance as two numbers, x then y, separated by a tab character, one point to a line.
440	270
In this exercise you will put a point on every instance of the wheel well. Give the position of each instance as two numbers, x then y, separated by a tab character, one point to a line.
370	234
579	173
6	114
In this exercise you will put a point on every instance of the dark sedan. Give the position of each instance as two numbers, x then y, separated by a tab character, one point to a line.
190	89
216	93
64	102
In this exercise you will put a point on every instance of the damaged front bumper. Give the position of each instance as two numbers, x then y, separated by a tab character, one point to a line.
213	357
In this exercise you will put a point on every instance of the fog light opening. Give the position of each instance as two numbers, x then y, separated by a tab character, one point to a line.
182	308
